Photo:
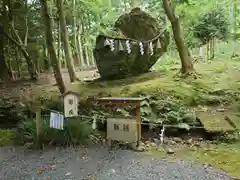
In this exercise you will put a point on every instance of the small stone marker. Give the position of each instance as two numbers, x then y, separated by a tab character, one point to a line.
170	151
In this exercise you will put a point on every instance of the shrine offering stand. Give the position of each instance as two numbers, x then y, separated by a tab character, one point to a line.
118	102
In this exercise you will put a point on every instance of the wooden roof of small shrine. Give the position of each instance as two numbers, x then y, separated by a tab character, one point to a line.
70	92
120	100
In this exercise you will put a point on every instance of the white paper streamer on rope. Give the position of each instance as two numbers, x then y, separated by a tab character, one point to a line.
158	44
128	46
151	48
107	42
56	120
141	48
112	44
120	46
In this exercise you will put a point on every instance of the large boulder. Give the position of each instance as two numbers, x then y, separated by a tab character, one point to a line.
112	55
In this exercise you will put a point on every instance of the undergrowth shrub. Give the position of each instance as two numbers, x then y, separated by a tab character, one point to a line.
53	103
230	137
11	113
75	132
156	110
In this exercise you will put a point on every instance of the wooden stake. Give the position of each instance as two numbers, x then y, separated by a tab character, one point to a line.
138	120
38	121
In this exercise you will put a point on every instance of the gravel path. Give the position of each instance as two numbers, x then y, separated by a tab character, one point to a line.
80	164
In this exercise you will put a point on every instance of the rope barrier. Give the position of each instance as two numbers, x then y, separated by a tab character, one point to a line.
134	40
142	123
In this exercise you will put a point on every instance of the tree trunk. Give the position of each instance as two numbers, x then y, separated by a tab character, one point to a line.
4	72
208	50
10	69
51	48
19	43
63	59
47	63
85	48
201	51
90	52
125	5
59	41
26	24
80	48
18	63
184	54
234	26
75	33
65	39
212	48
3	66
92	58
87	56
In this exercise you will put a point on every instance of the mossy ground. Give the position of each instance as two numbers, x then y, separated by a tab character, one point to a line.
222	156
217	87
6	138
219	83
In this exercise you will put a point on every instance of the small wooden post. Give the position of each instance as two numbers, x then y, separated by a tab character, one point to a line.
138	119
38	121
36	108
109	141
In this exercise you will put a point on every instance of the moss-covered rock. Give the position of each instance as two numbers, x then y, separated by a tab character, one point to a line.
136	26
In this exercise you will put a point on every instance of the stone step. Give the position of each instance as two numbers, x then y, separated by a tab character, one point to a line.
217	121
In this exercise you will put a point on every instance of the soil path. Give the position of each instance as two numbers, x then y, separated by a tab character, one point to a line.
15	88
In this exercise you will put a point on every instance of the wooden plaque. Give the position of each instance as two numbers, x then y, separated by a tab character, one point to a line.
122	130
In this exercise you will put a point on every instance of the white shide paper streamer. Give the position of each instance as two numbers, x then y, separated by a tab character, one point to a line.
151	48
56	120
112	44
128	46
141	48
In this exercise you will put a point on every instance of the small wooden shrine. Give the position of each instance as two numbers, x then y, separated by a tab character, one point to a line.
71	100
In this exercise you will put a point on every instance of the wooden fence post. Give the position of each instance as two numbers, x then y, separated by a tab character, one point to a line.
38	121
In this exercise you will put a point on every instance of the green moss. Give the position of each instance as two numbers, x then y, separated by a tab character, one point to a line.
210	88
214	121
138	25
222	156
6	137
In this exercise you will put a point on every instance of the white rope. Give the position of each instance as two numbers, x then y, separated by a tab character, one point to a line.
142	123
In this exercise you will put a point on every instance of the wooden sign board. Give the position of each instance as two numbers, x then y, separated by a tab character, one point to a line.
71	104
122	130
